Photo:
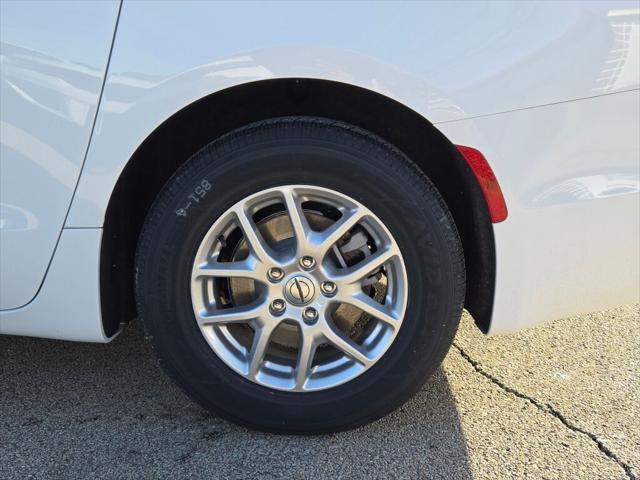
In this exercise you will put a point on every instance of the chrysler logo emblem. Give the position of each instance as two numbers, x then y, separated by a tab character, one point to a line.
299	290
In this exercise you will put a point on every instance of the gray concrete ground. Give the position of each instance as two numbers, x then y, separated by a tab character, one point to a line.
559	401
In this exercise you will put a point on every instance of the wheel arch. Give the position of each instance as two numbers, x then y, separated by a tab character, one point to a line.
191	128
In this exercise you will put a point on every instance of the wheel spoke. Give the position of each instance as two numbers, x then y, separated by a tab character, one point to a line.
244	269
306	353
325	239
254	240
370	306
261	339
346	346
242	314
299	222
360	270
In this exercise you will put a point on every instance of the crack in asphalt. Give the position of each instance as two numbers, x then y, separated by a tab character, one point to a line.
548	409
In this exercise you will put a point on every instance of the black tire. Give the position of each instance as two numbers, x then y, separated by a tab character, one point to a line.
336	156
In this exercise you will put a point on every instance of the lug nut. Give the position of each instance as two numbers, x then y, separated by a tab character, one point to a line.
278	306
275	274
328	288
307	262
310	315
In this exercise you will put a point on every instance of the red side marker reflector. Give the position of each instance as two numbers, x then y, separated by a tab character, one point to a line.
487	181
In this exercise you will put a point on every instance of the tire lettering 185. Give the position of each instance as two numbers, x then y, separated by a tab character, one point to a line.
195	196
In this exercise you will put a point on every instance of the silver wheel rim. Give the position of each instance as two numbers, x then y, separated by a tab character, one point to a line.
298	285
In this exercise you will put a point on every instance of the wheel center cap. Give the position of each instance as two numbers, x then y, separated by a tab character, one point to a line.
299	290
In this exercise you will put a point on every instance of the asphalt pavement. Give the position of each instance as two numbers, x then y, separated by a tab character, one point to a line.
557	401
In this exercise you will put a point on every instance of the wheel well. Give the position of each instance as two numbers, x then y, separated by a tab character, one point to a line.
188	130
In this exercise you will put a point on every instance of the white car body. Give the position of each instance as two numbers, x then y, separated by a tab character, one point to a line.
548	92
